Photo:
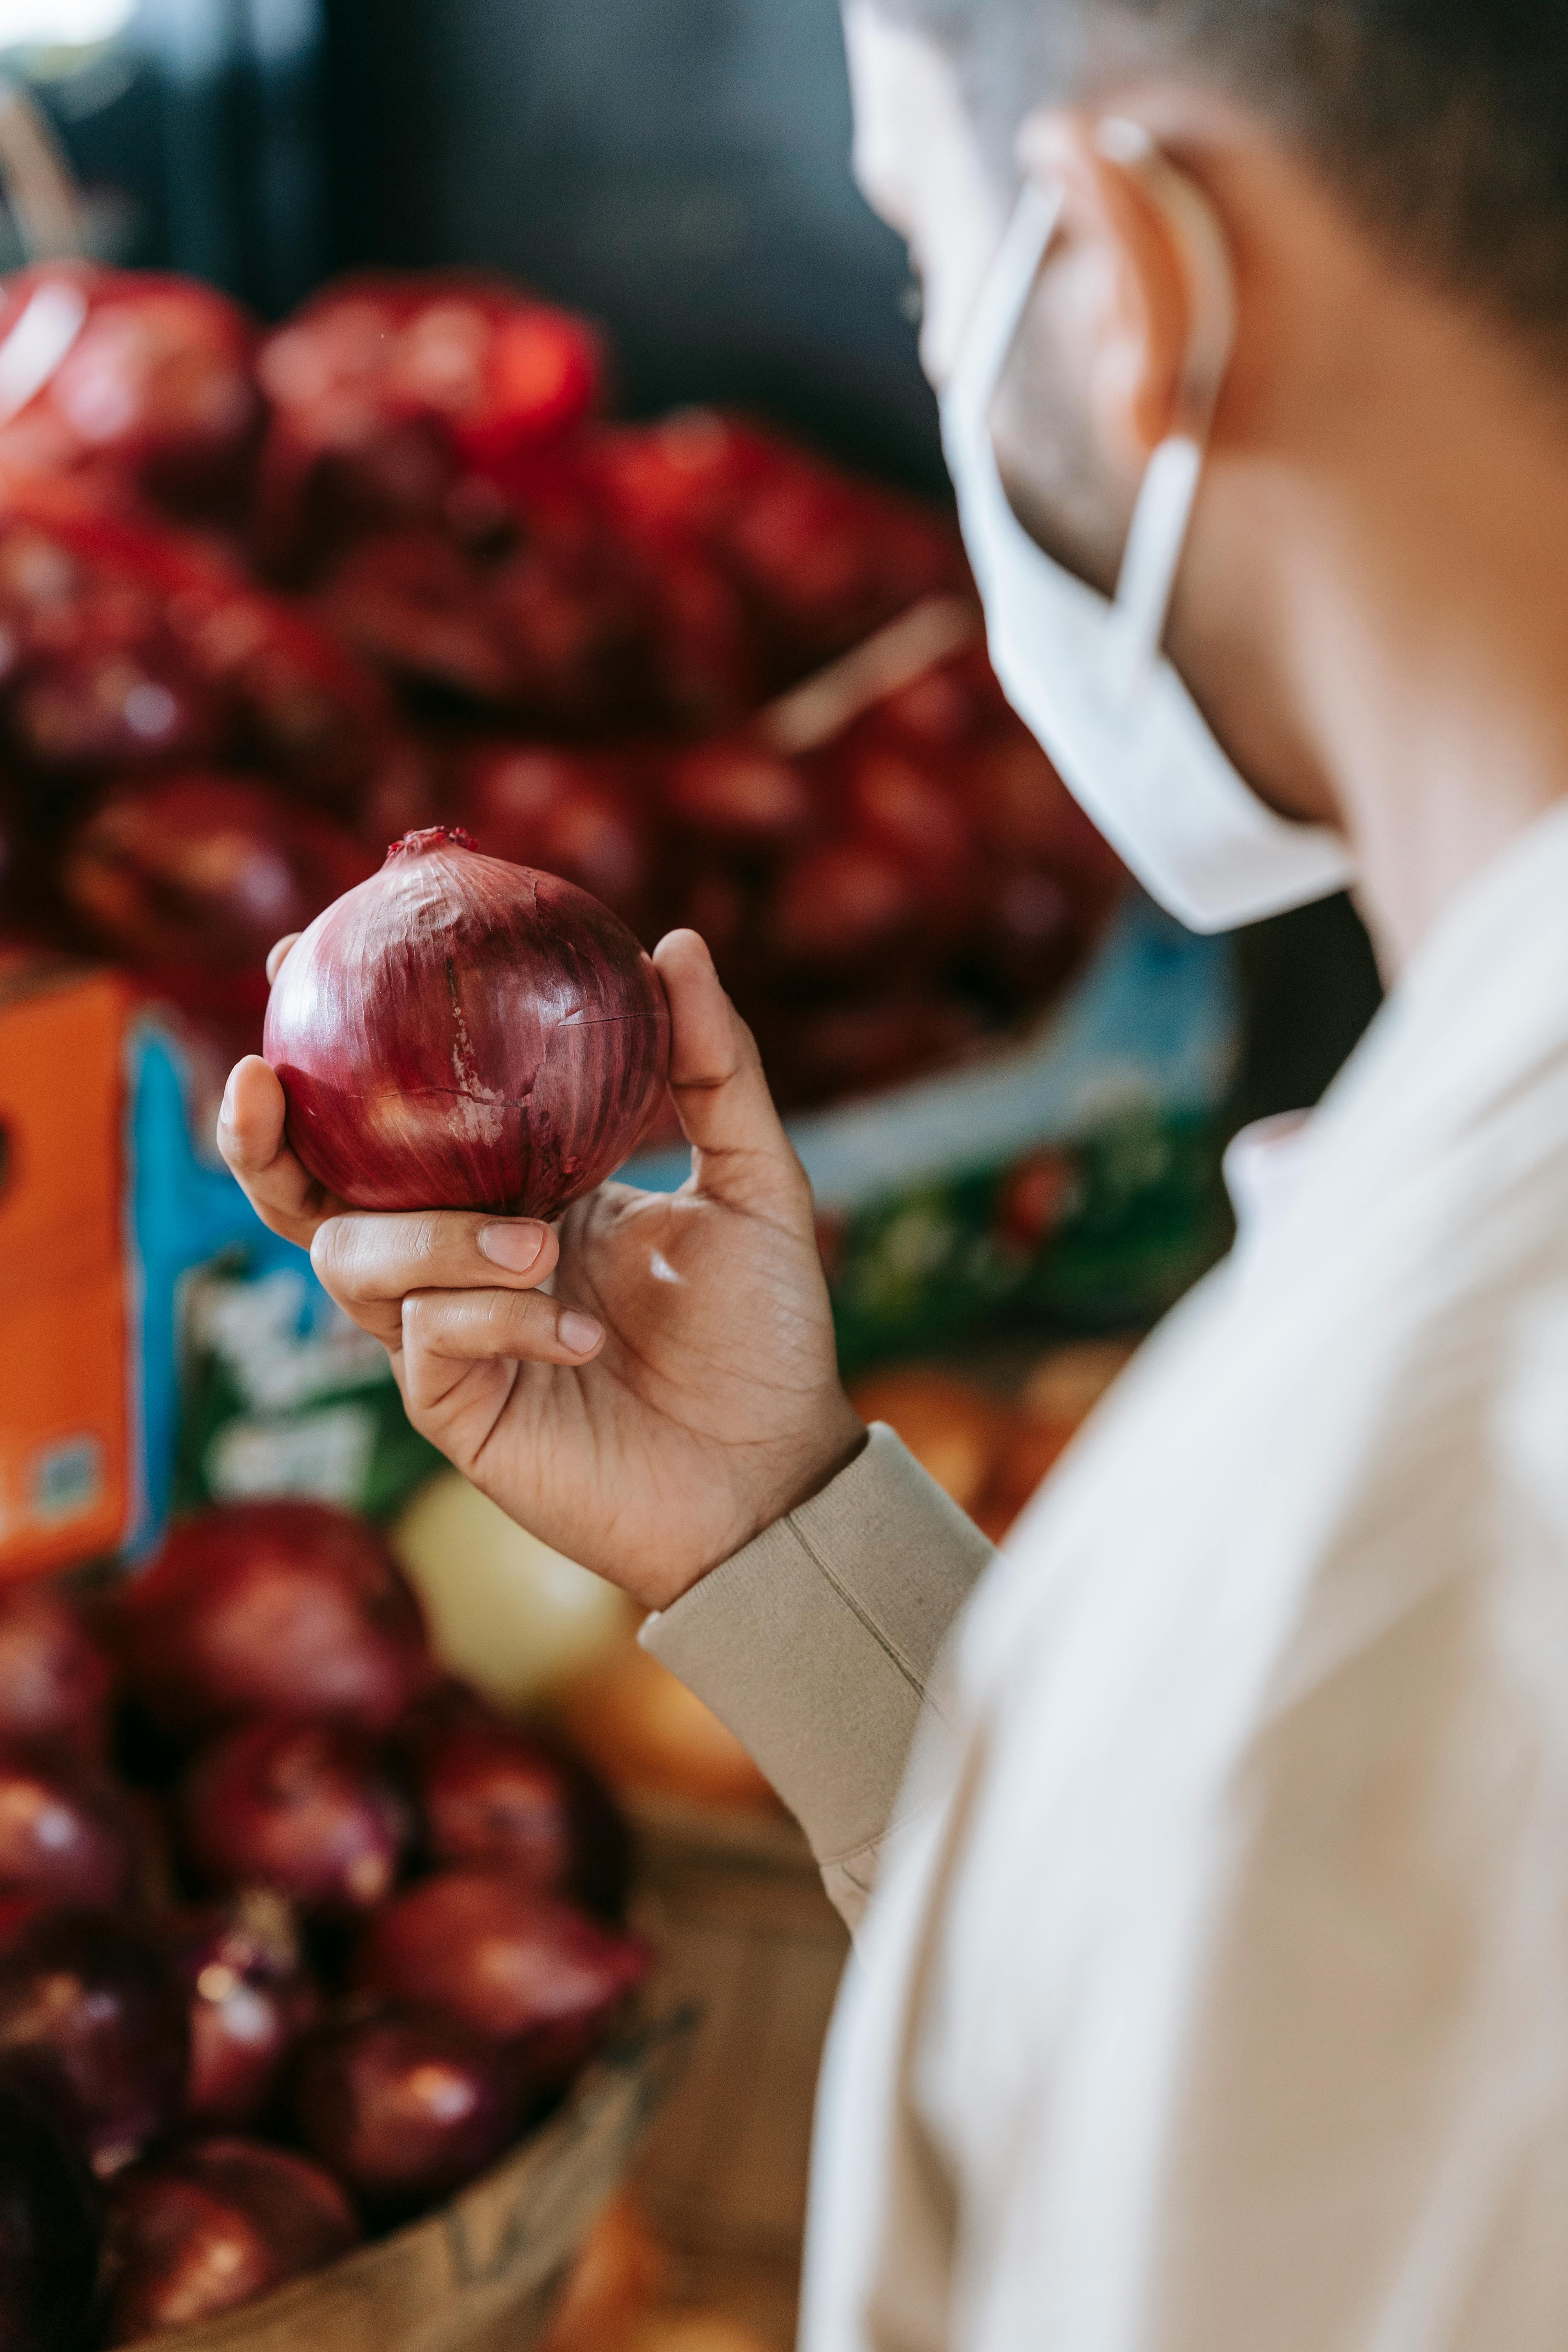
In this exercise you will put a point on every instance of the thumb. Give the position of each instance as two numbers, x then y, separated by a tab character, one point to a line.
740	1154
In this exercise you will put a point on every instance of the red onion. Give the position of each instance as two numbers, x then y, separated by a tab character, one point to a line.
911	812
53	1678
503	1797
279	1608
125	645
92	2023
68	1833
251	2000
157	384
213	2226
202	869
303	1808
739	794
384	388
512	1965
415	604
404	2106
105	705
834	558
844	906
51	2229
18	1913
459	1032
566	812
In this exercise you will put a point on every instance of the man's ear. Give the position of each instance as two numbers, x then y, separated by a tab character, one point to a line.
1131	310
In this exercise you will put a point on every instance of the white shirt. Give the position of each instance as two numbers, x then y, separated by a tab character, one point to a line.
1214	1994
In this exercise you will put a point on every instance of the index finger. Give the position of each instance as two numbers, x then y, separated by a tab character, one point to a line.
250	1136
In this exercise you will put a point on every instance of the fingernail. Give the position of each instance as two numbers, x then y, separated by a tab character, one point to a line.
579	1332
226	1107
516	1246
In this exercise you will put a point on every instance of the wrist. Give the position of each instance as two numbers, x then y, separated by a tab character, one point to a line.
833	1445
843	1438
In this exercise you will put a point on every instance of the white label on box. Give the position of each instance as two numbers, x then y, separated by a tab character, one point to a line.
65	1479
326	1456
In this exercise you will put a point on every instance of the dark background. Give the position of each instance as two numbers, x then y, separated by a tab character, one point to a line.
678	167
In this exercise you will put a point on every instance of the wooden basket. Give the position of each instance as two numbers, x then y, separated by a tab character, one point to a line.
480	2275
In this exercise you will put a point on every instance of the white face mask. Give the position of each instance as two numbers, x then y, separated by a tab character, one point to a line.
1087	675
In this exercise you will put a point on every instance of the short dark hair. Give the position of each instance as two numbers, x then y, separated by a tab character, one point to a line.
1444	122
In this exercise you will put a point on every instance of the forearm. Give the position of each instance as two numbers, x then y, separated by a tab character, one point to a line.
816	1646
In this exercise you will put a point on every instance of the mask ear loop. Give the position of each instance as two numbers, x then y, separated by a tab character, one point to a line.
1163	512
1002	301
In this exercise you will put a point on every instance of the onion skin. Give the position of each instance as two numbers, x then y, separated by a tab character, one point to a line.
215	2226
302	1808
518	1968
68	1832
404	2106
273	1608
458	1032
53	1678
202	869
93	2025
494	1796
251	2000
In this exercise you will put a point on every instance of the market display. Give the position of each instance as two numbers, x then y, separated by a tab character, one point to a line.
268	602
296	1933
462	1033
989	1450
299	1932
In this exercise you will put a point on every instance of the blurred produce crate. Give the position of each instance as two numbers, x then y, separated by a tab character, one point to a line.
1076	1170
253	1381
66	1476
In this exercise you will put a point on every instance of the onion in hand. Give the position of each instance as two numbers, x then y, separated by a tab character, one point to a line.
459	1032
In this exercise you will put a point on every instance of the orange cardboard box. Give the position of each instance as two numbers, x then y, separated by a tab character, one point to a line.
65	1454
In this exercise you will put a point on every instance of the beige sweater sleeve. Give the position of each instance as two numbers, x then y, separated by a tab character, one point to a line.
817	1644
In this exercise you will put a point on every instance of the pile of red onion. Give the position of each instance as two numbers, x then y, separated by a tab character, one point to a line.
436	584
296	1935
462	1033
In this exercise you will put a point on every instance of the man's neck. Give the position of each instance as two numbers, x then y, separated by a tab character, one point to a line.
1426	585
1442	697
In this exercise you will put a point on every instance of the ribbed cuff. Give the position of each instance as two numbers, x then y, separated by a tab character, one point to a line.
815	1644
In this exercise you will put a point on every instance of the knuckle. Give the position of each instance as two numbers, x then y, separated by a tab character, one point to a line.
422	1395
507	1313
424	1235
421	1323
329	1243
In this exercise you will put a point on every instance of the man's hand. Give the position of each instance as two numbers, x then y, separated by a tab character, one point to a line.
674	1388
